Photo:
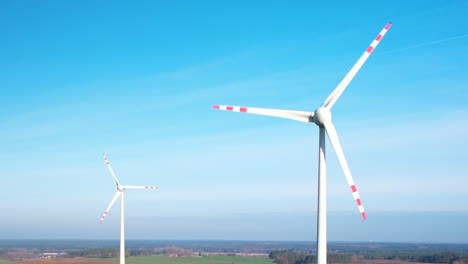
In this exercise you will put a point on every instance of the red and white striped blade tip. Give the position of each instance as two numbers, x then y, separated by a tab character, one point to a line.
102	217
379	37
231	108
151	187
105	158
358	201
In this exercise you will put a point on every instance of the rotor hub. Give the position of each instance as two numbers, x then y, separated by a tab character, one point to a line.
321	116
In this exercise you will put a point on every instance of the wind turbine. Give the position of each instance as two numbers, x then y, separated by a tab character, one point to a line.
322	118
120	192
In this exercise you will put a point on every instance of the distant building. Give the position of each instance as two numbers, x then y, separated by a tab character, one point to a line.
53	255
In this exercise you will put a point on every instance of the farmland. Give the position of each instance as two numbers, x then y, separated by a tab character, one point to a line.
151	260
224	252
164	259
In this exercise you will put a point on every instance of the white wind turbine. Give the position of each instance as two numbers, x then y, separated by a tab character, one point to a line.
120	192
322	118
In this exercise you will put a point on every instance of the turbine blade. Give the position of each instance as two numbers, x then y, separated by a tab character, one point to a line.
110	169
289	114
333	136
347	79
140	187
110	205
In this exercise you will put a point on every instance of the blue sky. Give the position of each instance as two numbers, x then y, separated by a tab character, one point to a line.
137	81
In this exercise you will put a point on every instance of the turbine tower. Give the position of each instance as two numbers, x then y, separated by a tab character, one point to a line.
120	192
322	118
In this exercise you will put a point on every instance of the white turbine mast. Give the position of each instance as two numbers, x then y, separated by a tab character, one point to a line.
322	118
120	192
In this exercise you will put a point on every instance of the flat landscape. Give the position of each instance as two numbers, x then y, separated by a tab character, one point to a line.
224	252
196	260
151	259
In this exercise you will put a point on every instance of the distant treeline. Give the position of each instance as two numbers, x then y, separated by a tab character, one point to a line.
94	253
292	257
173	251
112	252
443	257
355	248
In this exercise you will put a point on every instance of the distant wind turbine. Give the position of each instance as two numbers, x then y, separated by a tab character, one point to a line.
322	118
120	192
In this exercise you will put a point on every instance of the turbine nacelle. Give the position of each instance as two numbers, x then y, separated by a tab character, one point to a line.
321	116
120	193
120	188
